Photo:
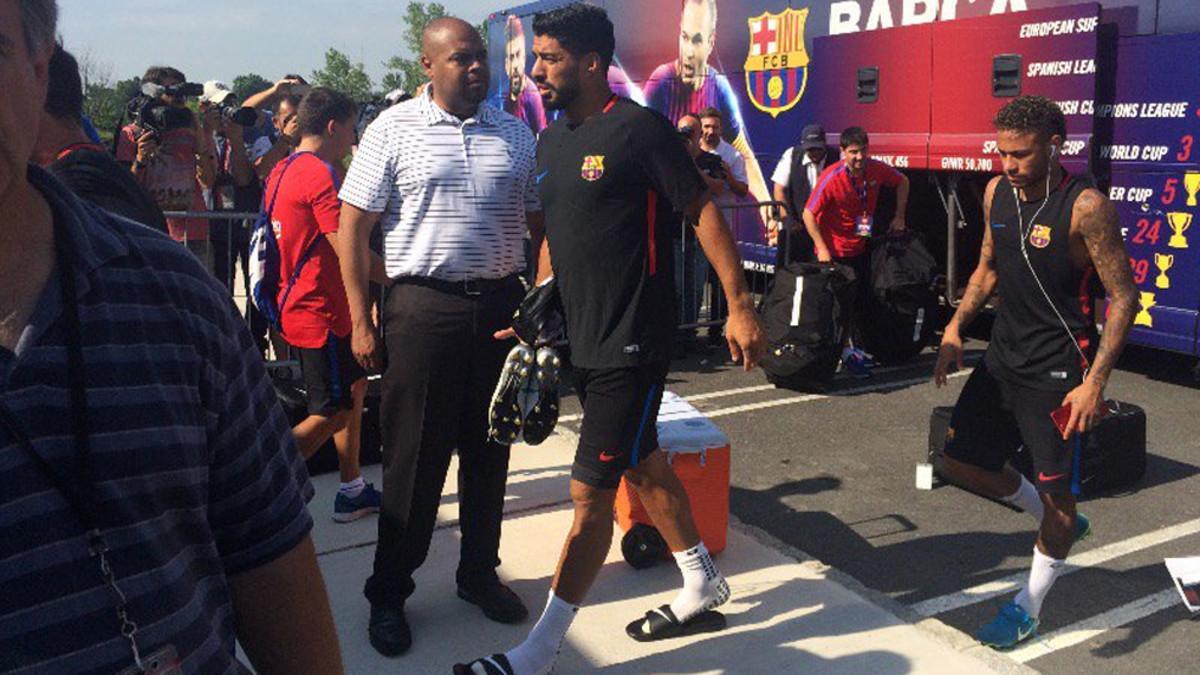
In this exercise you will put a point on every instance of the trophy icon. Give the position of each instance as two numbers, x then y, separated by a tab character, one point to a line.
1191	183
1143	317
1179	223
1164	263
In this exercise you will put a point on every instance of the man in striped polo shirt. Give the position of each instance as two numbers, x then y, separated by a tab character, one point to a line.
451	181
151	500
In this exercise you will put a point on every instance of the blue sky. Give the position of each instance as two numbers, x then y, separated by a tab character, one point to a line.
220	39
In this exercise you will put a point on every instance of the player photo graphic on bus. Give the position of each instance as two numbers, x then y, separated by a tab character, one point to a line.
690	83
521	99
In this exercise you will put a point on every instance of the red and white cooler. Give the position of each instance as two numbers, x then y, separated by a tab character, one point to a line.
700	454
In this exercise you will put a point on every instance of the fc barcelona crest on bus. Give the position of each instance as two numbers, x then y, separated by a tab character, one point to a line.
777	64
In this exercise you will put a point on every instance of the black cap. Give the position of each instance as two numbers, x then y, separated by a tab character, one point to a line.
812	137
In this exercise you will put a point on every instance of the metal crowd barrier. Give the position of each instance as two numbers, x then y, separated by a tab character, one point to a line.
699	299
224	255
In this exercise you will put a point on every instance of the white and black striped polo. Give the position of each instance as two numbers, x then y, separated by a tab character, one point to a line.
452	193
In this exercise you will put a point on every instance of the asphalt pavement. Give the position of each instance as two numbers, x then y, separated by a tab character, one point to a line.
832	477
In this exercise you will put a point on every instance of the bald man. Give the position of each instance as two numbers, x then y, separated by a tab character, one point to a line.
451	182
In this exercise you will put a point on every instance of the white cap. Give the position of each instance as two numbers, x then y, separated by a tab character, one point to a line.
216	92
393	96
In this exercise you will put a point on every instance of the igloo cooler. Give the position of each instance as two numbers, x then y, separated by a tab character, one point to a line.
699	453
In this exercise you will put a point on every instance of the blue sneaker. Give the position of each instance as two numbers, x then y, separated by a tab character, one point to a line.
1011	626
347	509
857	363
1083	527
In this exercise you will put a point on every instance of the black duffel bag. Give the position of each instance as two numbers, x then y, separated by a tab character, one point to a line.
903	301
804	319
289	389
1113	453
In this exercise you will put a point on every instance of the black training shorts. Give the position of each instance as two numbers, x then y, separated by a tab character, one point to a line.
994	418
328	373
620	411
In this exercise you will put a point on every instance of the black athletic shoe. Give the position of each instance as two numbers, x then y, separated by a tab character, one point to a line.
543	415
504	414
498	602
389	631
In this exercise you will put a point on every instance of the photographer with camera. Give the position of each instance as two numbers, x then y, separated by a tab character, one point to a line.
65	150
169	155
283	99
236	188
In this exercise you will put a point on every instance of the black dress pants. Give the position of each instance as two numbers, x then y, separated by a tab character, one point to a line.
442	367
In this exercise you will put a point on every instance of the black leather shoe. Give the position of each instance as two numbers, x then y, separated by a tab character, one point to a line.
389	631
497	601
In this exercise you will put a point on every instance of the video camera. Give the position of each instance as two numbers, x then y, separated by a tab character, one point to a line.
149	113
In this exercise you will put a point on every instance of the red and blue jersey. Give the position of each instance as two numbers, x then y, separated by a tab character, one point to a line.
839	199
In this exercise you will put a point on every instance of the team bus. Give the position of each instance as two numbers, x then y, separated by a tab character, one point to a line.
924	77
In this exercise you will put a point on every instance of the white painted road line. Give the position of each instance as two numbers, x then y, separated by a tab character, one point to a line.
731	392
1092	558
1091	627
733	410
881	386
698	397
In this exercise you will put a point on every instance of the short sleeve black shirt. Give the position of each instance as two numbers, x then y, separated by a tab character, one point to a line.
609	187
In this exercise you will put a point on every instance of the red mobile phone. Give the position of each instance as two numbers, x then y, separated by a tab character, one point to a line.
1062	415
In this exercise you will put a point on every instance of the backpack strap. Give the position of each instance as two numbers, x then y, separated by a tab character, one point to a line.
270	206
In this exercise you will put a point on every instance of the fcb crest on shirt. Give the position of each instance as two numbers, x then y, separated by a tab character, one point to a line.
1040	236
777	64
593	167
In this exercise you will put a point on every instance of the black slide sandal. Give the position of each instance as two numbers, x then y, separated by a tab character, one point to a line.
663	625
496	664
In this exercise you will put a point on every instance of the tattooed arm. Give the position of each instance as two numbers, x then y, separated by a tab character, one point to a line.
1094	218
979	289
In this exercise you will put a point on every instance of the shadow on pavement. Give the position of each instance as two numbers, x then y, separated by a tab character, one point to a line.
896	569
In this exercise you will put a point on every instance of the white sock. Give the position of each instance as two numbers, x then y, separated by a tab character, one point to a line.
1028	500
703	585
540	648
354	488
1042	574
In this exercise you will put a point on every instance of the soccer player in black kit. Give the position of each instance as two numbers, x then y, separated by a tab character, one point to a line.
610	173
1047	234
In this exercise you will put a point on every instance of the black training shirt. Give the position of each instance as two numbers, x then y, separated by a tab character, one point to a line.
1031	341
609	187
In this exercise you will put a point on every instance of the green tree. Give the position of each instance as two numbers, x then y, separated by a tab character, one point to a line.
405	72
245	86
342	75
105	105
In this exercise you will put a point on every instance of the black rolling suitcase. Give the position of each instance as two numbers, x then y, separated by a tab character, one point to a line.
1114	453
289	388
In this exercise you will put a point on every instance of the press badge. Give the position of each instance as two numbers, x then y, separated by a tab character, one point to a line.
165	661
862	226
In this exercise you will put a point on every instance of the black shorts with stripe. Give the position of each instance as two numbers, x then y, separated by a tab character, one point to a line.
994	418
329	372
620	411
